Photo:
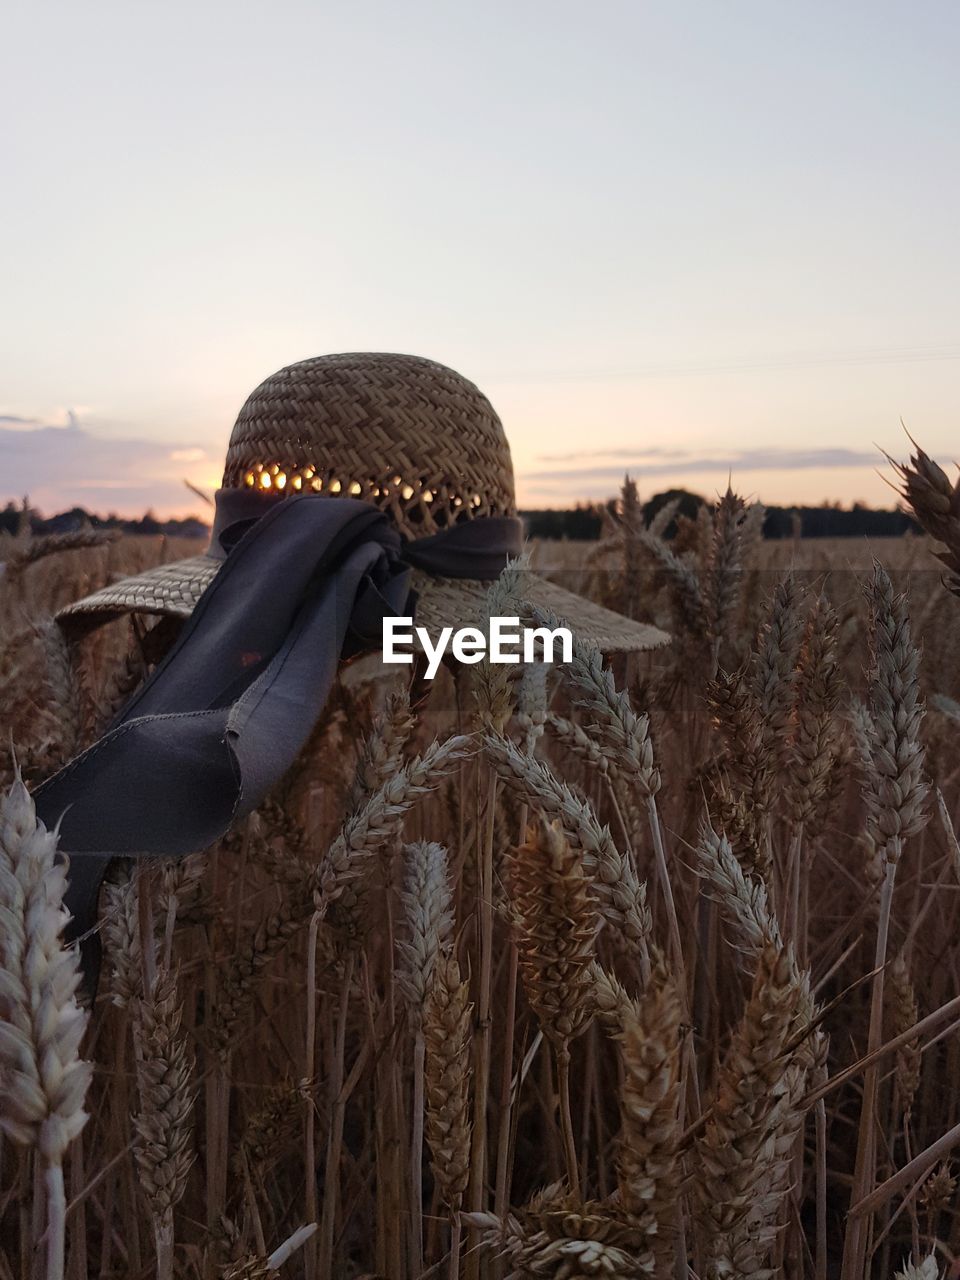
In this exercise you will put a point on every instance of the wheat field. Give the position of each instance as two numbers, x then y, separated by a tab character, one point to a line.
646	968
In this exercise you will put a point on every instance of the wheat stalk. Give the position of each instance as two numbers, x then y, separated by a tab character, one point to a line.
493	682
773	669
622	734
736	711
44	1080
447	1039
556	922
557	1235
818	691
622	895
649	1171
37	549
904	1014
936	504
164	1124
121	936
427	903
894	791
383	748
723	573
683	579
531	715
744	1152
613	1007
895	788
926	1269
372	826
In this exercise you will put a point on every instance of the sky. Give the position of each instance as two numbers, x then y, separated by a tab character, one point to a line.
685	239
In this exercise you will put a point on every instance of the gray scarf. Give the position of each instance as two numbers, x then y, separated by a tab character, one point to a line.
305	581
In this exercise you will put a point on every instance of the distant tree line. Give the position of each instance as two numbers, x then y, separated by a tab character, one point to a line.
582	523
15	515
834	522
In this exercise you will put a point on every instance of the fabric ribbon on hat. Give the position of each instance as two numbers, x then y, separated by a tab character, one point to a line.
305	581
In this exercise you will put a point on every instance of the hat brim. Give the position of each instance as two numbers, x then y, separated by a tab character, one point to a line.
173	590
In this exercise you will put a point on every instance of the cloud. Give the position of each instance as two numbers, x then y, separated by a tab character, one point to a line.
622	451
11	422
737	460
60	467
683	463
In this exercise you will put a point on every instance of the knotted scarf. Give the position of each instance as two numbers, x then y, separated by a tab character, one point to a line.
304	582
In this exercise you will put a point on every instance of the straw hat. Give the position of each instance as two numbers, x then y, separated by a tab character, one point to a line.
404	433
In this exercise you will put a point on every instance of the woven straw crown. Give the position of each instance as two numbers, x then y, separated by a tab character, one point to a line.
407	434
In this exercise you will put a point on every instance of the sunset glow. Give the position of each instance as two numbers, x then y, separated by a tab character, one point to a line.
680	242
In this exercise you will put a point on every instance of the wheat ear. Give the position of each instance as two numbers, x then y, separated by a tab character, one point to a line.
260	1267
427	902
904	1014
926	1269
556	921
894	790
815	738
684	582
447	1017
622	894
493	682
613	1007
53	543
649	1171
773	670
736	712
164	1124
723	574
557	1235
44	1080
743	1155
936	504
